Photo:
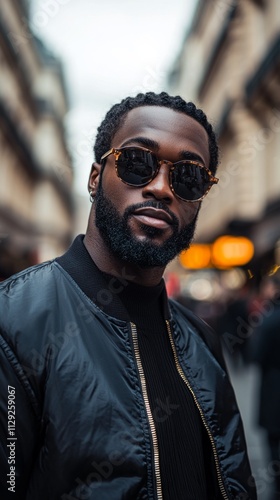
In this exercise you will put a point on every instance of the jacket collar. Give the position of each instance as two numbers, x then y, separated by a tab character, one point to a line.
102	289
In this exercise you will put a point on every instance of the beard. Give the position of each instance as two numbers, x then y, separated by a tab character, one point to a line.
119	239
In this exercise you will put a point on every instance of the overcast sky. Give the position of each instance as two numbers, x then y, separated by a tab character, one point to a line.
110	49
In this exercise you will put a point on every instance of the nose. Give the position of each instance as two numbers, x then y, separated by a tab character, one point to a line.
159	187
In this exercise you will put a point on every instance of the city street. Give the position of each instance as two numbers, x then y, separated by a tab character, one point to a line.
245	380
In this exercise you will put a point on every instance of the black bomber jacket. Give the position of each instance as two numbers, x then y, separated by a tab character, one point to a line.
74	414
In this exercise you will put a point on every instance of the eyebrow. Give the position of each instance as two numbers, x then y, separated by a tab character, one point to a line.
143	141
189	155
154	146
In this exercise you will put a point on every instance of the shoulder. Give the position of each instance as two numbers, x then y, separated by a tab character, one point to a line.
28	295
22	284
27	274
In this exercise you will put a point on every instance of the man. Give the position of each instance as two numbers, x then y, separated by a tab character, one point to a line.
119	393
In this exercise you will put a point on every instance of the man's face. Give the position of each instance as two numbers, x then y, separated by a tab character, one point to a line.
148	226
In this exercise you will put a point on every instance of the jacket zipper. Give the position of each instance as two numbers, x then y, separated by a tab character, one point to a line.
181	373
148	410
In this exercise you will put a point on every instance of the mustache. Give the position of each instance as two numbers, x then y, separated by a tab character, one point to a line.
151	204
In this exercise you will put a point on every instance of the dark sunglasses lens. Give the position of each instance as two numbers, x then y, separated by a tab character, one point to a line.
136	167
190	181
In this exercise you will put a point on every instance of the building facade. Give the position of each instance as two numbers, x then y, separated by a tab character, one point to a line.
36	201
229	65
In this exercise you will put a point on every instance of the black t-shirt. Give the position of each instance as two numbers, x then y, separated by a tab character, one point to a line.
178	423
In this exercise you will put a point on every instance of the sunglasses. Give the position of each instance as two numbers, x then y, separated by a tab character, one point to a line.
188	179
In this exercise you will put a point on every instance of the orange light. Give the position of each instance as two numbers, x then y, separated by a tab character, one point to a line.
197	256
231	251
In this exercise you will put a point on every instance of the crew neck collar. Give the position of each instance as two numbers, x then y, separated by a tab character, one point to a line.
104	289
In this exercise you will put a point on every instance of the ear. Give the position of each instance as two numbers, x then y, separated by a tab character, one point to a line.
94	178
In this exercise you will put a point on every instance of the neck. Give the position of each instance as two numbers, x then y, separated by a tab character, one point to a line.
110	264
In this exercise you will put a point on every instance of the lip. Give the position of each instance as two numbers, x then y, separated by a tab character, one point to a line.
153	217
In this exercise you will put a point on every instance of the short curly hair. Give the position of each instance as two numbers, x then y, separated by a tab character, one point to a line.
116	115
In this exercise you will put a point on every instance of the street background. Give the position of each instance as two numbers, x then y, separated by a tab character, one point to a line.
65	62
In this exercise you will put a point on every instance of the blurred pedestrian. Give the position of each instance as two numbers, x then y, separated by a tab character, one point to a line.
266	353
232	326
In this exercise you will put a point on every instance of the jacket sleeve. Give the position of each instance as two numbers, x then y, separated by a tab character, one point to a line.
19	426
